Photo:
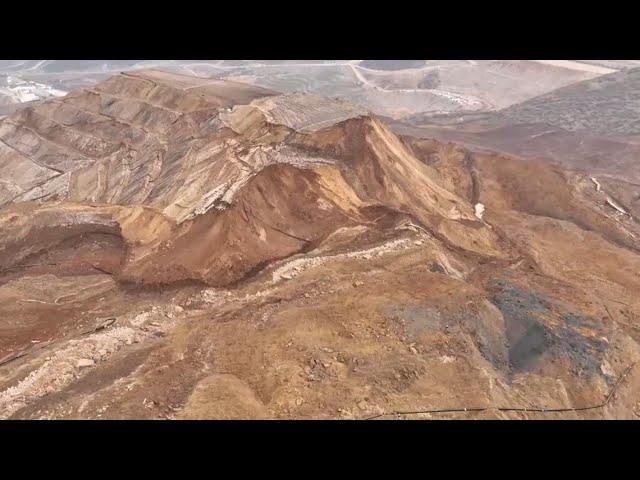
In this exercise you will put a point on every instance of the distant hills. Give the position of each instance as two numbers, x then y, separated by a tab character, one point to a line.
606	105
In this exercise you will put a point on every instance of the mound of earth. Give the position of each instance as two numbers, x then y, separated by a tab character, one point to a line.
179	247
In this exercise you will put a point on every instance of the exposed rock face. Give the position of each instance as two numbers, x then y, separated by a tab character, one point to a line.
134	139
259	180
355	272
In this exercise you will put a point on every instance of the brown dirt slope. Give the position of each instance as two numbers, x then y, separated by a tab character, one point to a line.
175	247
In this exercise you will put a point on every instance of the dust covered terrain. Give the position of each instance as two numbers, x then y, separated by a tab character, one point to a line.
180	247
395	88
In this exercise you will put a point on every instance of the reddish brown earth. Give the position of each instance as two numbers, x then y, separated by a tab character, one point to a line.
175	247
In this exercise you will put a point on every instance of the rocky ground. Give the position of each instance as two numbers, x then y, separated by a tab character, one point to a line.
176	248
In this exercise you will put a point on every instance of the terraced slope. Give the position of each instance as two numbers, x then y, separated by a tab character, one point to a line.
183	248
260	180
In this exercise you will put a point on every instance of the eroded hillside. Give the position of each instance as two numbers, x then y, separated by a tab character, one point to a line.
178	247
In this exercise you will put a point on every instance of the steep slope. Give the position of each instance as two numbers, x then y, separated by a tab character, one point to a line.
591	126
244	185
182	248
598	154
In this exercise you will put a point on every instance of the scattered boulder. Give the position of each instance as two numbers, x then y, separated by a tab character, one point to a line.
85	363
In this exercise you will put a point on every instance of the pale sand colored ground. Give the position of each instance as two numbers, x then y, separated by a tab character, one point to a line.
583	67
